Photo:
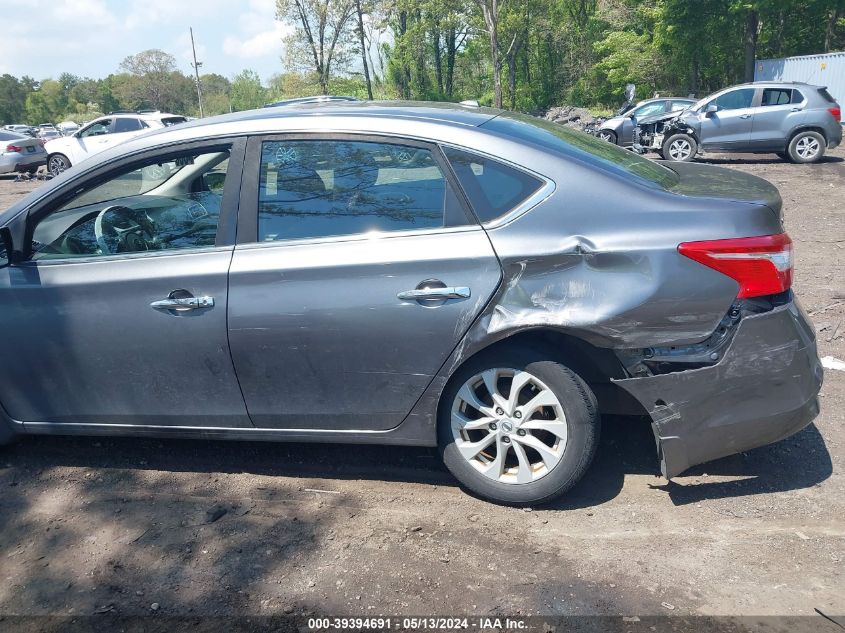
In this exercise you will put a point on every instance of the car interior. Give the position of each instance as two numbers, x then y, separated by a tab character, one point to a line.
167	205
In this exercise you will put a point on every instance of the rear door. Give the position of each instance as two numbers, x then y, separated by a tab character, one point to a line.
780	110
357	272
730	126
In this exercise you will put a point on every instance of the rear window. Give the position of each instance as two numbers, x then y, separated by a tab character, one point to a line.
172	120
826	95
12	136
776	96
571	143
127	125
493	188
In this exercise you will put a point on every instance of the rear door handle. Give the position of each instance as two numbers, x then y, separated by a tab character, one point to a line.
183	304
744	116
424	294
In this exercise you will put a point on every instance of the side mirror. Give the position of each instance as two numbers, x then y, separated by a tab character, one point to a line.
7	247
712	108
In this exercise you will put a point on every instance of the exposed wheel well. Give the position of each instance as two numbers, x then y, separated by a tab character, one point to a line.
808	128
595	365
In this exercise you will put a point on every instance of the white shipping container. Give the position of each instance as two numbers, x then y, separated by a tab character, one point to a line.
826	69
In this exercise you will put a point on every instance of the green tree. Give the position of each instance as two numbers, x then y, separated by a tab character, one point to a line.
247	91
323	37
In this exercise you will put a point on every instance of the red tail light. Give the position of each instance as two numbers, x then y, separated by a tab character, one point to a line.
13	148
760	265
836	112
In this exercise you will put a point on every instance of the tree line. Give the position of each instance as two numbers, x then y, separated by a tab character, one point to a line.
519	54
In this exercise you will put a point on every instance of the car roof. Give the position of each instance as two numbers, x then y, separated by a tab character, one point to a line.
138	115
432	111
785	84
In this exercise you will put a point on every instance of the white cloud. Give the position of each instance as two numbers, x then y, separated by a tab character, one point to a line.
259	33
260	44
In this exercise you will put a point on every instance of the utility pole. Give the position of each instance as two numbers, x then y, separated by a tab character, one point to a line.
196	66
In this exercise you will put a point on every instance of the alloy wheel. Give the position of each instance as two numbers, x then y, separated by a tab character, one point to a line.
57	165
807	147
509	426
606	136
680	149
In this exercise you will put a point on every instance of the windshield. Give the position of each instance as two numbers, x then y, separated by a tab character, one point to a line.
583	147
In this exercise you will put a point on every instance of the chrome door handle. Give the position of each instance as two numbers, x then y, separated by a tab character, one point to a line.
744	116
428	294
183	304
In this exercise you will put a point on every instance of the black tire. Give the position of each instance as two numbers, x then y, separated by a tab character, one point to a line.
582	428
608	135
57	163
802	144
680	148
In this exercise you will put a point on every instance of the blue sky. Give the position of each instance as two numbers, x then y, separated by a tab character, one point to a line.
43	38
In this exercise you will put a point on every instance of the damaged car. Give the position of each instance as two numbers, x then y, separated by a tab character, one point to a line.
796	121
406	274
619	130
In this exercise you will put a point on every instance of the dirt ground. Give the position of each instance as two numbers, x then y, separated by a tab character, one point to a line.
139	526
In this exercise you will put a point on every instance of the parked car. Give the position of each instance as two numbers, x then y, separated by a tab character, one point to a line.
48	133
101	134
20	153
619	130
67	128
796	121
21	129
379	273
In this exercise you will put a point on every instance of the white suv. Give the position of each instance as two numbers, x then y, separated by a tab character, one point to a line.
101	134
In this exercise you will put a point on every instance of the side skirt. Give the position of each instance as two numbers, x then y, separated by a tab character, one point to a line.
396	436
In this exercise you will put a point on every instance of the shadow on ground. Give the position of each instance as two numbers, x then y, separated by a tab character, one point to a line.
626	447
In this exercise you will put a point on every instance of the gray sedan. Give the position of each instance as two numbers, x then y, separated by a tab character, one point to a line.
619	130
381	273
20	153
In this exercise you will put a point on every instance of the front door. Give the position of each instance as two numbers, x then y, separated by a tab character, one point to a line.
357	273
119	314
729	127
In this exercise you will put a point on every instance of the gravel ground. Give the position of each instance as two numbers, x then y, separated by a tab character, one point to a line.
132	526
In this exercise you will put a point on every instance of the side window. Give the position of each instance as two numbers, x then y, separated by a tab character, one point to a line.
125	124
97	129
776	96
493	188
679	105
735	99
327	188
162	204
797	96
650	108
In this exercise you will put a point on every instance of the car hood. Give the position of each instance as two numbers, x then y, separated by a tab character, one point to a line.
654	118
55	144
613	124
709	181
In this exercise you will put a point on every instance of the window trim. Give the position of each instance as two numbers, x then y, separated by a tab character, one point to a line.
248	208
227	222
546	189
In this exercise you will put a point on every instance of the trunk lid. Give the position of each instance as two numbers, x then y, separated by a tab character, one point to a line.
708	181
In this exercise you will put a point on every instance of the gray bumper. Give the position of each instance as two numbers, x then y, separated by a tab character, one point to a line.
764	389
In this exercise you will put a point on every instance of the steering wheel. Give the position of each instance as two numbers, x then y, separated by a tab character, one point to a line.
119	229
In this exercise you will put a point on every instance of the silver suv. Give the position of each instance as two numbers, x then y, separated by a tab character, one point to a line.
797	121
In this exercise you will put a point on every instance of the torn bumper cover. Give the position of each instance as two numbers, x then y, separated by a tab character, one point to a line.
763	389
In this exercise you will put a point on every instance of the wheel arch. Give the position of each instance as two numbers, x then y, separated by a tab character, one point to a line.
806	128
597	366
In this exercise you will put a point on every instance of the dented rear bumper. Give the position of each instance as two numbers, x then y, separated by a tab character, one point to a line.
763	389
